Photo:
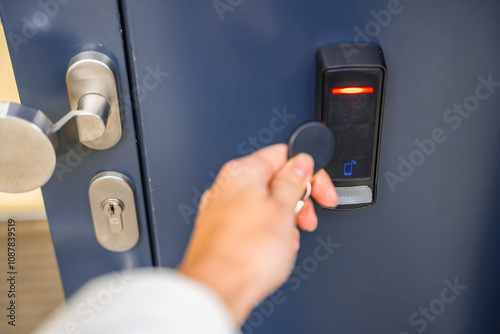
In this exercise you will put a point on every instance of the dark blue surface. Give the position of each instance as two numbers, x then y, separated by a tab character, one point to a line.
226	78
40	63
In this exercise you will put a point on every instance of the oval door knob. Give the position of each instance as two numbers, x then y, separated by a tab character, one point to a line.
27	148
30	143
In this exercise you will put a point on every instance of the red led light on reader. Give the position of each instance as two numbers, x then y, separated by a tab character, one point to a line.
352	90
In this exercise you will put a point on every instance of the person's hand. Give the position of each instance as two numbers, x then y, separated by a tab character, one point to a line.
245	240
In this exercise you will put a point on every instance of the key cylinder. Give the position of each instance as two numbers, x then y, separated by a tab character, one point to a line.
113	208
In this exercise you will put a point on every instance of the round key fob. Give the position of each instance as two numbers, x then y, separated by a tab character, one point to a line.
315	139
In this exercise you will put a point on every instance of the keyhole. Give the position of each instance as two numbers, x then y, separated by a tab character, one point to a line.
113	209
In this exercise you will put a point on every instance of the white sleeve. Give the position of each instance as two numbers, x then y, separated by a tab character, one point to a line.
142	301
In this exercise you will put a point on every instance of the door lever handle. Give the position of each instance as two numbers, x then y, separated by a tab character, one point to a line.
30	143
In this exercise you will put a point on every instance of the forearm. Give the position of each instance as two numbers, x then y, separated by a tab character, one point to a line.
142	301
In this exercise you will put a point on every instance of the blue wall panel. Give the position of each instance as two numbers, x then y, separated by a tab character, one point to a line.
230	74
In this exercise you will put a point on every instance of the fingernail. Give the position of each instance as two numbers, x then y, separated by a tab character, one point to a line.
312	228
303	165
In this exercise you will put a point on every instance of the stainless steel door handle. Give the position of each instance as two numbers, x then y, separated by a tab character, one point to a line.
30	143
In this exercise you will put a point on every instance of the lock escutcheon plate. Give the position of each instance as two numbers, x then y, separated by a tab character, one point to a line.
113	185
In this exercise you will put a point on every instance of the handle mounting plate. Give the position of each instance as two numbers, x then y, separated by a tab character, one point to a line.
92	72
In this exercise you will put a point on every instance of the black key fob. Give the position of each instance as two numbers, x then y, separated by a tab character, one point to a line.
315	139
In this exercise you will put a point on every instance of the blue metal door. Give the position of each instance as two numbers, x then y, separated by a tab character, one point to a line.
43	36
215	80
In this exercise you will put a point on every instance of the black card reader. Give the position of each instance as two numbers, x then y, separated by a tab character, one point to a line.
349	100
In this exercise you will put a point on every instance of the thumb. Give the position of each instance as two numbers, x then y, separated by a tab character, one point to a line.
289	183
